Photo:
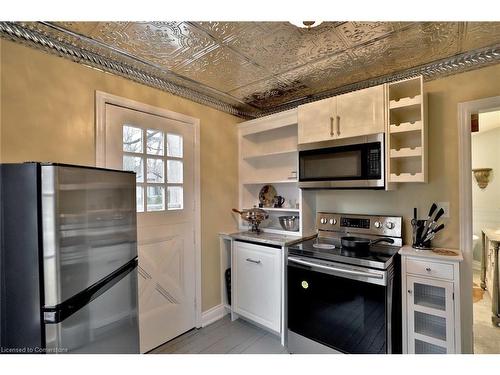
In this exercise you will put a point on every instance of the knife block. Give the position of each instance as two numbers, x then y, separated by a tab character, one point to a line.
419	227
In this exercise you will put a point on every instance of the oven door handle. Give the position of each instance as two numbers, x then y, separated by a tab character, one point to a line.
340	270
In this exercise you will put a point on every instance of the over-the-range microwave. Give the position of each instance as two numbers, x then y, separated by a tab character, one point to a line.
351	163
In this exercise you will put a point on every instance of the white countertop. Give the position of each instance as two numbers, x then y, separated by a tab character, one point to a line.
492	234
267	238
407	250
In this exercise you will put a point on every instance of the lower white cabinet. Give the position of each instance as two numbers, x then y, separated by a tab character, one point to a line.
256	283
431	308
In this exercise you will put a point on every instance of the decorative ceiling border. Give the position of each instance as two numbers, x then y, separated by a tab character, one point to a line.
17	33
456	64
460	63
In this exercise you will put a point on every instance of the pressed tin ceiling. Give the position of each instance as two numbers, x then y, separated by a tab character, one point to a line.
256	68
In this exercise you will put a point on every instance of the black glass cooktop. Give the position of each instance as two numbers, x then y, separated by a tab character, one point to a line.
377	256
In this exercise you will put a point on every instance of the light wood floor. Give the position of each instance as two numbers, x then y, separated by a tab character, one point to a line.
224	337
486	335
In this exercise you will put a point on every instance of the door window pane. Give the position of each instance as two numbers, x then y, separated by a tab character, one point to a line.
174	145
139	196
155	170
134	164
174	171
175	198
156	198
132	139
154	142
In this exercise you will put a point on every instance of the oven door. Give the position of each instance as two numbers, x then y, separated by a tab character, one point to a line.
339	306
348	165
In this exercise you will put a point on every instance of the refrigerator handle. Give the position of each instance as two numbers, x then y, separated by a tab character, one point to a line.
56	314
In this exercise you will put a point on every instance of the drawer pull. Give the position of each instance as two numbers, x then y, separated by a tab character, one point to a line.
253	261
428	269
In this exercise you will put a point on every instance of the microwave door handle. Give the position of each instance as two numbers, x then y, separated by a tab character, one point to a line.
340	270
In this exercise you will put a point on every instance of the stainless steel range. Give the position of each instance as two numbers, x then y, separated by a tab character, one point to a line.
343	286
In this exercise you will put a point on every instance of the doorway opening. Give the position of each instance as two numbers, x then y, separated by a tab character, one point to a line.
485	153
479	159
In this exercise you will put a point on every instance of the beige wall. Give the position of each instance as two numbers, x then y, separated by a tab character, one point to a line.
48	115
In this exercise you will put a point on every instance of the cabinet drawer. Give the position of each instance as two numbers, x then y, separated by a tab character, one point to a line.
428	268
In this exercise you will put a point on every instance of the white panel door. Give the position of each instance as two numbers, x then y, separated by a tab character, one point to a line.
161	152
360	112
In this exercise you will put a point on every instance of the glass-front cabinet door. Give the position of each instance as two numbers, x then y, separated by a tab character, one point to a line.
430	316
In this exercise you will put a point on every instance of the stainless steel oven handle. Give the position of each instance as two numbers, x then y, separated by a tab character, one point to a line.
341	270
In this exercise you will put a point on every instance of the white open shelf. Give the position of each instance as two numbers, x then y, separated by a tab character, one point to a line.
407	138
283	209
406	127
406	177
270	154
406	152
265	182
406	102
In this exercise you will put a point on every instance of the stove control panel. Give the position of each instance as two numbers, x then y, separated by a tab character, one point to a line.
364	224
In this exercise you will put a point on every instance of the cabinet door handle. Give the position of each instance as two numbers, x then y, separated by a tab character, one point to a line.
428	269
253	261
331	126
338	125
409	291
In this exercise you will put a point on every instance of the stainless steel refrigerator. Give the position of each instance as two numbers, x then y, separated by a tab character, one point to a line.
68	260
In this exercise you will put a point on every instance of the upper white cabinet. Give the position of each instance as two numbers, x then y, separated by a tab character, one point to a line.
353	114
361	112
316	120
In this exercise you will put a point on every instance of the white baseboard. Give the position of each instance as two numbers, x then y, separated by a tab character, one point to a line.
213	314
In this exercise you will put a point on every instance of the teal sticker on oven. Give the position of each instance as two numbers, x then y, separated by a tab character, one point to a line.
305	284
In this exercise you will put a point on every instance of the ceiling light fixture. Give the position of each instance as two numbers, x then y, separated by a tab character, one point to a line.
306	24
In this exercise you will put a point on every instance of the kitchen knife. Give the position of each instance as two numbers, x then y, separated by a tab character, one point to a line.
438	215
420	228
432	233
414	226
428	222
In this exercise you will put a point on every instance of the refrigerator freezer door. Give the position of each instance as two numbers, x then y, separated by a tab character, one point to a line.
108	324
89	227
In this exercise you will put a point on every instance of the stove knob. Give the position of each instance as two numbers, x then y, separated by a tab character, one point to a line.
323	220
333	221
377	224
389	225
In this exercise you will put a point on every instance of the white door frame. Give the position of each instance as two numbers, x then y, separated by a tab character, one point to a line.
101	99
465	110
